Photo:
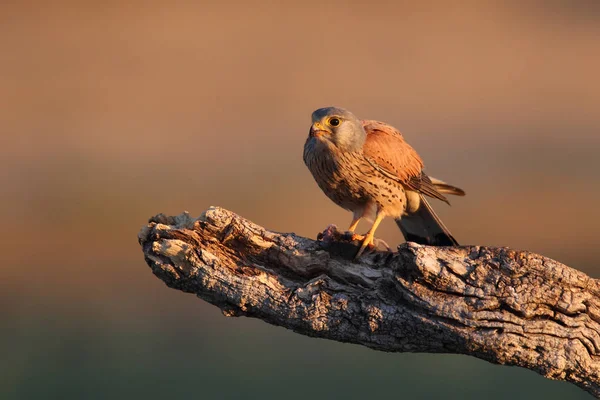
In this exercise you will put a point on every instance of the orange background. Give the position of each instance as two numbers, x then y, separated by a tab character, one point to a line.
111	113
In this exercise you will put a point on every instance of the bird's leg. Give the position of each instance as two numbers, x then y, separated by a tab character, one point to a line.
355	220
370	235
354	224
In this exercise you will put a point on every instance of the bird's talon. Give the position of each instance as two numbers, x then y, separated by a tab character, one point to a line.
379	242
364	250
367	244
356	236
371	245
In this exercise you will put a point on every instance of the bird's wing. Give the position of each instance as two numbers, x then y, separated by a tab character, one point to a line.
387	151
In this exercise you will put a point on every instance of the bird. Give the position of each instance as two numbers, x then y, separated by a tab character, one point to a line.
366	167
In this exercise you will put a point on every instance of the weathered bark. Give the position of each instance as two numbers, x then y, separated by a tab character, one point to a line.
501	305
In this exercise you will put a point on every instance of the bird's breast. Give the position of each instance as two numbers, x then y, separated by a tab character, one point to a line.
336	174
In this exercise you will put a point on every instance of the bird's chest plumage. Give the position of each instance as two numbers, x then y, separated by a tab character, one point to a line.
335	173
349	180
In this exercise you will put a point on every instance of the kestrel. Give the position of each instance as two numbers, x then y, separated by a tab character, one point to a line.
366	167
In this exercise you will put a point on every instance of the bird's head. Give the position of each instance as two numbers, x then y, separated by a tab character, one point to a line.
339	127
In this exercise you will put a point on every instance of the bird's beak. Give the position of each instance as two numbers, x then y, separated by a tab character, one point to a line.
317	130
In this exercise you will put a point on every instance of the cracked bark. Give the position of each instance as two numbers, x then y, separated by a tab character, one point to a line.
501	305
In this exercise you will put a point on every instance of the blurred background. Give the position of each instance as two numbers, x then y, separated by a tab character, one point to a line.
111	112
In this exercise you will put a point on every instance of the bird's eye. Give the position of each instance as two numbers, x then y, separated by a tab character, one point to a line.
334	121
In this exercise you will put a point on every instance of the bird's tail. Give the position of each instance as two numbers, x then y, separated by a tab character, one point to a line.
445	188
425	227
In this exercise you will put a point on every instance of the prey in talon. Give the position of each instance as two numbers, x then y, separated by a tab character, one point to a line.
367	168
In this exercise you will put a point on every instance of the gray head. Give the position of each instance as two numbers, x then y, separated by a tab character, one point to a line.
339	127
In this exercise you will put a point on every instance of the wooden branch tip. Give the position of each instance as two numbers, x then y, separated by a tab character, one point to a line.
501	305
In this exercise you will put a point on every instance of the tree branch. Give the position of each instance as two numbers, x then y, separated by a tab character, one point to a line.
504	306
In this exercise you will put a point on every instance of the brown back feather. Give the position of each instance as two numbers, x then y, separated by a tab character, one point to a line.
387	151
